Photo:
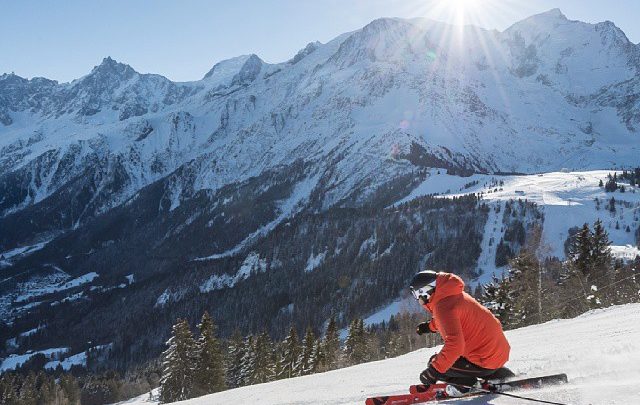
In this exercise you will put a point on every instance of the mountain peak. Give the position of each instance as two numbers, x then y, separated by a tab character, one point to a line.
546	21
553	13
249	71
111	67
11	77
224	67
310	48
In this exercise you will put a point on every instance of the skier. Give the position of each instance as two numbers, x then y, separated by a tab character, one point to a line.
474	344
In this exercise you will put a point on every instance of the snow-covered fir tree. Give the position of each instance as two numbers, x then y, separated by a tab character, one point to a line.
331	345
316	359
589	269
498	298
289	353
601	270
235	353
176	383
524	285
303	362
264	363
209	368
355	346
601	257
394	346
248	362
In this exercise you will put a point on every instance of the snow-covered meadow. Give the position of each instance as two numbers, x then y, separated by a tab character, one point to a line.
599	351
567	199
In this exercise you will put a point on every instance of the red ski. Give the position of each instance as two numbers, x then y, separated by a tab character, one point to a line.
432	393
420	394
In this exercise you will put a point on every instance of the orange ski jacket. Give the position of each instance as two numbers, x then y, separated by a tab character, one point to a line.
468	328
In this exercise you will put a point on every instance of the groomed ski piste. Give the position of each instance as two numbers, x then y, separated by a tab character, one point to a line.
599	351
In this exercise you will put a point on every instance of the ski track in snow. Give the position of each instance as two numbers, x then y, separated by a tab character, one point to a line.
599	351
492	234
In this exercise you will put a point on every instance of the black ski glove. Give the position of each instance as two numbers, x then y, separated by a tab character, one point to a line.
423	328
428	376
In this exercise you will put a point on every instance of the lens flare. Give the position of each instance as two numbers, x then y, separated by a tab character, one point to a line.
463	9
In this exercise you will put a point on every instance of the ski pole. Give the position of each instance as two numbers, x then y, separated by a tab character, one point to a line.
510	395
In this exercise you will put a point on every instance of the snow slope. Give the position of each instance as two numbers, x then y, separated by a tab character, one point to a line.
599	351
566	199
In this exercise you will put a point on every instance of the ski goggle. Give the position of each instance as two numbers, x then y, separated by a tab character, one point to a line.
427	290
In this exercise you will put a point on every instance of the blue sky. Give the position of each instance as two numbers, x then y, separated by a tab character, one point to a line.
181	40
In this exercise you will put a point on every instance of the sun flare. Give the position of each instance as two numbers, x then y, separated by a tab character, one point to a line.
462	4
462	10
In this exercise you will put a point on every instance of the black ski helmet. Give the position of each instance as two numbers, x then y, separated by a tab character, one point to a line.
423	284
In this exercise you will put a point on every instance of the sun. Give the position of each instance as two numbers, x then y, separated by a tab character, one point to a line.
488	14
462	10
460	4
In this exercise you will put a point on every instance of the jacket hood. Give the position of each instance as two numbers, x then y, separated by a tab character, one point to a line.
447	284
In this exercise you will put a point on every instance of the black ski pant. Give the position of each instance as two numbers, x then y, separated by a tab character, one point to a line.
464	372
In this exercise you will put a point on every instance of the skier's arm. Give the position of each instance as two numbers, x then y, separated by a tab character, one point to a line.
423	328
433	325
451	331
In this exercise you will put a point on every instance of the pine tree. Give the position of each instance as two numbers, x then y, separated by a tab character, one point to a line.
28	392
209	369
577	273
176	383
524	286
317	358
351	342
498	298
48	391
355	346
581	250
264	359
8	386
305	355
290	350
234	357
601	257
248	368
394	345
71	389
611	184
601	266
331	345
503	253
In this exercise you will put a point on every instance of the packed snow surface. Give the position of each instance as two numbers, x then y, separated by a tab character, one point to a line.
599	351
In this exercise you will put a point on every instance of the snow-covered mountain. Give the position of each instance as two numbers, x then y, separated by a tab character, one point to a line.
487	100
201	190
573	346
